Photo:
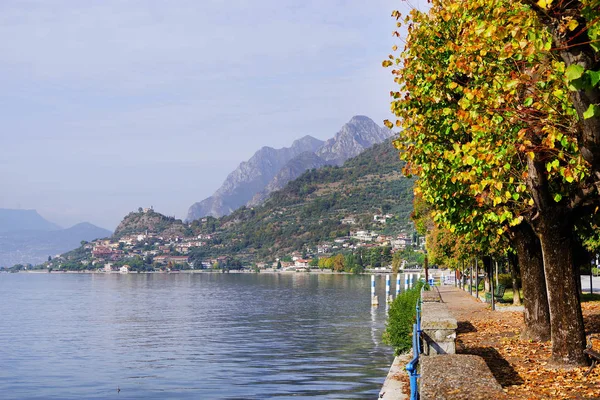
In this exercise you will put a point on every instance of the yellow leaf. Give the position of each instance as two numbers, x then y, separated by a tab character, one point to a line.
572	25
531	154
455	126
453	85
530	202
544	3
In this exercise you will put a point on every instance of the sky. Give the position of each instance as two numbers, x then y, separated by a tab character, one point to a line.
107	106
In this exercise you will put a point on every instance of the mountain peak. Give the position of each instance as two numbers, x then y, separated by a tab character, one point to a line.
261	173
354	137
308	143
361	118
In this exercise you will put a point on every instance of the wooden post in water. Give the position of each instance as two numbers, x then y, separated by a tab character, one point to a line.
388	296
397	284
374	299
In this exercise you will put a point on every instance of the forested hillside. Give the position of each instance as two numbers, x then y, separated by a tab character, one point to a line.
309	209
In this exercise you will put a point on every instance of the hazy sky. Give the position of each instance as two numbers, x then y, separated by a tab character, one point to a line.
111	105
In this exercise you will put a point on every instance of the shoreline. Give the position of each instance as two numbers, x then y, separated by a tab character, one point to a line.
203	271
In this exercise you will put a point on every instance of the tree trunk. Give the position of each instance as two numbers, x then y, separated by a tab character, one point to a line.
515	282
566	319
535	298
553	225
577	272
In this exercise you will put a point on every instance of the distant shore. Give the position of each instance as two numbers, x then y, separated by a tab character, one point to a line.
209	271
187	271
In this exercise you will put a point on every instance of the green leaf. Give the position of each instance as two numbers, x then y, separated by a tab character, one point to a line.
578	84
594	77
528	102
592	111
574	71
557	197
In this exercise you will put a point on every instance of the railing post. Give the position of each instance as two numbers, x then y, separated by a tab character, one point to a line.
411	367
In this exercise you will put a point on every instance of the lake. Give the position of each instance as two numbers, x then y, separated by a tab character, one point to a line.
191	336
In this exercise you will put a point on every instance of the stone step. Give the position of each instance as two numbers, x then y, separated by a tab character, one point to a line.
457	377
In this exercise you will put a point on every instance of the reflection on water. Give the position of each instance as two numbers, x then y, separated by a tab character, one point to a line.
196	336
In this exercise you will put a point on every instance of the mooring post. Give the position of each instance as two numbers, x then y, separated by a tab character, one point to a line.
374	299
397	284
405	281
388	296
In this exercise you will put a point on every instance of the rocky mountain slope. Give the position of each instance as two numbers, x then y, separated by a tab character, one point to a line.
358	134
269	169
293	169
249	178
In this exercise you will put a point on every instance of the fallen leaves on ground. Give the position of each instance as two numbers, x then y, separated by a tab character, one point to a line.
522	367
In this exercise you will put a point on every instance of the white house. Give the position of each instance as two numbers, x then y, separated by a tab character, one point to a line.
124	269
363	236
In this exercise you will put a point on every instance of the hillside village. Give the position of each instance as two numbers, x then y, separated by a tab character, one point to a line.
150	251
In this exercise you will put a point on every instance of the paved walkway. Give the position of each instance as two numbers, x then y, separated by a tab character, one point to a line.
462	305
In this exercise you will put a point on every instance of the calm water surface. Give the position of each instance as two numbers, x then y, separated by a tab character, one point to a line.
190	336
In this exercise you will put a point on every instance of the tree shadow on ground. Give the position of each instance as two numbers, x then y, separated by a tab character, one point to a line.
504	373
465	327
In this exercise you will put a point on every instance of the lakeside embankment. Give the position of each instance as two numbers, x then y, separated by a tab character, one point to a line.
205	271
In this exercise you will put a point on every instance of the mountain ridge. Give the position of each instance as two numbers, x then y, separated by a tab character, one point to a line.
252	182
250	177
32	246
12	220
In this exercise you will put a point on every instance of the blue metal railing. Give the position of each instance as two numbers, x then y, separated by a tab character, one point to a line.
411	367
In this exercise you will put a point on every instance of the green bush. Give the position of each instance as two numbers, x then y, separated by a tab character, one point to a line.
506	280
401	317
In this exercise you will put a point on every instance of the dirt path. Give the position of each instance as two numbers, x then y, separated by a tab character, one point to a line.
521	367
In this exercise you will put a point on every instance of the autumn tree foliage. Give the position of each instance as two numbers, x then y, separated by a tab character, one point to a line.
493	124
